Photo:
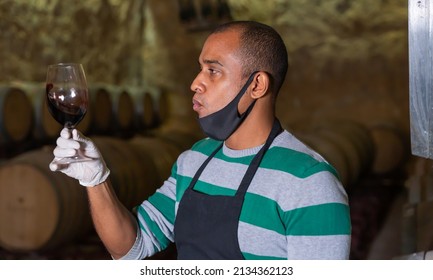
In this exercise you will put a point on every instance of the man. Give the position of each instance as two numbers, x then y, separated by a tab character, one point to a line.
249	191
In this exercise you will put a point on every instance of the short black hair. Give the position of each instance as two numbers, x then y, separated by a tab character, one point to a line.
261	49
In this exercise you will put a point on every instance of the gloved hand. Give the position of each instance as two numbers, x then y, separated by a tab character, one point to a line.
88	173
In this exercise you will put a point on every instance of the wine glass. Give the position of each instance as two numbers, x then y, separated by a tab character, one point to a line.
67	98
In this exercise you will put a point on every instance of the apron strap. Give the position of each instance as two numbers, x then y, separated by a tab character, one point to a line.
254	165
203	166
252	168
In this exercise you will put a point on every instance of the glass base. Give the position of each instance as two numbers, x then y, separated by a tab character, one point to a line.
69	160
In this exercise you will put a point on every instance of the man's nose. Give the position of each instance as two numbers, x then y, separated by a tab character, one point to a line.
196	85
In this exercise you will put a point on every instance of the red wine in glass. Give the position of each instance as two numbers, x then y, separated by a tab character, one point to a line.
67	98
69	113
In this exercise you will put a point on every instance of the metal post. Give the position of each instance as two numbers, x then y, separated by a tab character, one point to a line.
420	77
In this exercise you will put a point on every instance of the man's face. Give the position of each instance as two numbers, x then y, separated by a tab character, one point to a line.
219	79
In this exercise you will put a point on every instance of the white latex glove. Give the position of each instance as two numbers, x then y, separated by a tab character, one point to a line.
88	173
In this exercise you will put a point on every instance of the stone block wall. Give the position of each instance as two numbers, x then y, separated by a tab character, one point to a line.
348	58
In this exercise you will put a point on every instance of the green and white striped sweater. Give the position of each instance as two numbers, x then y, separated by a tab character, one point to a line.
295	207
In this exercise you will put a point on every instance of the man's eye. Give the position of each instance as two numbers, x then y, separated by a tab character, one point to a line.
212	71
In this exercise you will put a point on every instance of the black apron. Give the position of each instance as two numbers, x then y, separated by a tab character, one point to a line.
206	226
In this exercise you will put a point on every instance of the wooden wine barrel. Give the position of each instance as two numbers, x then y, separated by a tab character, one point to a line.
39	209
353	158
148	114
163	106
123	110
144	108
163	154
355	141
181	139
16	118
391	147
133	174
100	109
346	144
85	124
45	127
331	152
174	110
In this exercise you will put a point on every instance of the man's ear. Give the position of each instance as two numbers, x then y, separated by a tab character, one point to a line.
260	85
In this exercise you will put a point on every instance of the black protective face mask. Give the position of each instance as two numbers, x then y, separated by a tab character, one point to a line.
221	124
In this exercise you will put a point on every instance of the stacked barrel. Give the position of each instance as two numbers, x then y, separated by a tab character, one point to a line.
355	149
16	115
40	209
113	110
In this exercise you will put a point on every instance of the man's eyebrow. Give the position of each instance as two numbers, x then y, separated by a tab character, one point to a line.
211	61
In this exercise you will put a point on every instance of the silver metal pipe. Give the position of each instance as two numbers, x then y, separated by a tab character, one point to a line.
420	77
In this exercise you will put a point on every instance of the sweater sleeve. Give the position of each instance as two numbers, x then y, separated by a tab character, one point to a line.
155	218
319	227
